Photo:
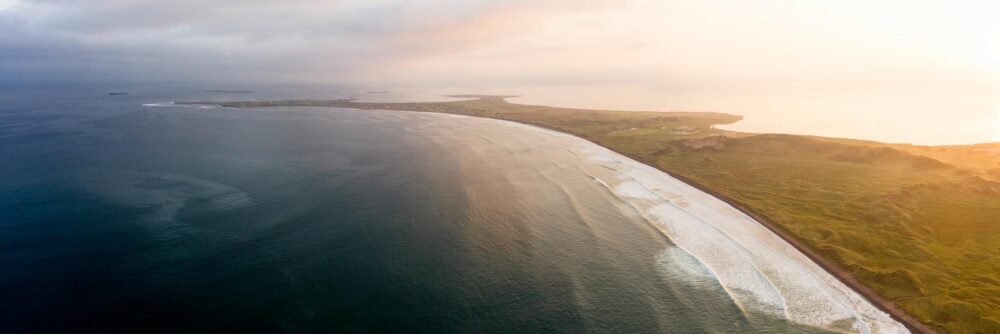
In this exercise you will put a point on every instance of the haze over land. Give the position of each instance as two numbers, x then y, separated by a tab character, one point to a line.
896	71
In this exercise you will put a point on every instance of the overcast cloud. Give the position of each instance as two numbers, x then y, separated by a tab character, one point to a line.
248	40
644	42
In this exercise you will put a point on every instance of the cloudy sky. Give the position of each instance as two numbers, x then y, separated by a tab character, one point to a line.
455	41
916	61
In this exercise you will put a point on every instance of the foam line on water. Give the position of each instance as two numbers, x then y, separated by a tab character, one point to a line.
758	268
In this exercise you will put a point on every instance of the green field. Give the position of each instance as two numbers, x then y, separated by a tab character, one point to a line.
919	225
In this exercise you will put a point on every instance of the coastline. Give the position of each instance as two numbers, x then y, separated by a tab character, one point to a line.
843	276
666	230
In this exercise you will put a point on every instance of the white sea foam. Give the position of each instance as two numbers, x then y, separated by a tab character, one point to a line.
169	193
759	270
681	265
634	189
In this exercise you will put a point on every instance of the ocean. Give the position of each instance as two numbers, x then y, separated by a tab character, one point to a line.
128	214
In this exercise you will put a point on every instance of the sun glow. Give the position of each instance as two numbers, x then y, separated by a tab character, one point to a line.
995	50
996	123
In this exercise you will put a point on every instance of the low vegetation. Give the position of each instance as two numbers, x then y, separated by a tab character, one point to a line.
919	225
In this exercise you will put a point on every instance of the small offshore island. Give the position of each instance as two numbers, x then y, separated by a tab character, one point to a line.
911	228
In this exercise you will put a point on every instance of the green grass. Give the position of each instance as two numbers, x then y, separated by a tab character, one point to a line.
926	237
919	225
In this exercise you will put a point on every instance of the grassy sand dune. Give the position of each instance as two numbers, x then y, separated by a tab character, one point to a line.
918	225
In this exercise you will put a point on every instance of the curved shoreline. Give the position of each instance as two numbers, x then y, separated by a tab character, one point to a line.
840	274
843	276
685	232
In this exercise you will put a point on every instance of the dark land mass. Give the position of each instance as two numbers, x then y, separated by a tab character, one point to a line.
229	91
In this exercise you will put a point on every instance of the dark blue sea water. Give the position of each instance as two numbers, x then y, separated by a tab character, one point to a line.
116	216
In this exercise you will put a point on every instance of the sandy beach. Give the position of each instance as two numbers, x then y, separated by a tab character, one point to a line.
760	270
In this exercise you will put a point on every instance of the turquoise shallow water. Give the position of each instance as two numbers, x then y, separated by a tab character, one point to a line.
119	217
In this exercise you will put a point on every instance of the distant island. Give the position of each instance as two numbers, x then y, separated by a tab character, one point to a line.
229	91
912	228
379	92
117	93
